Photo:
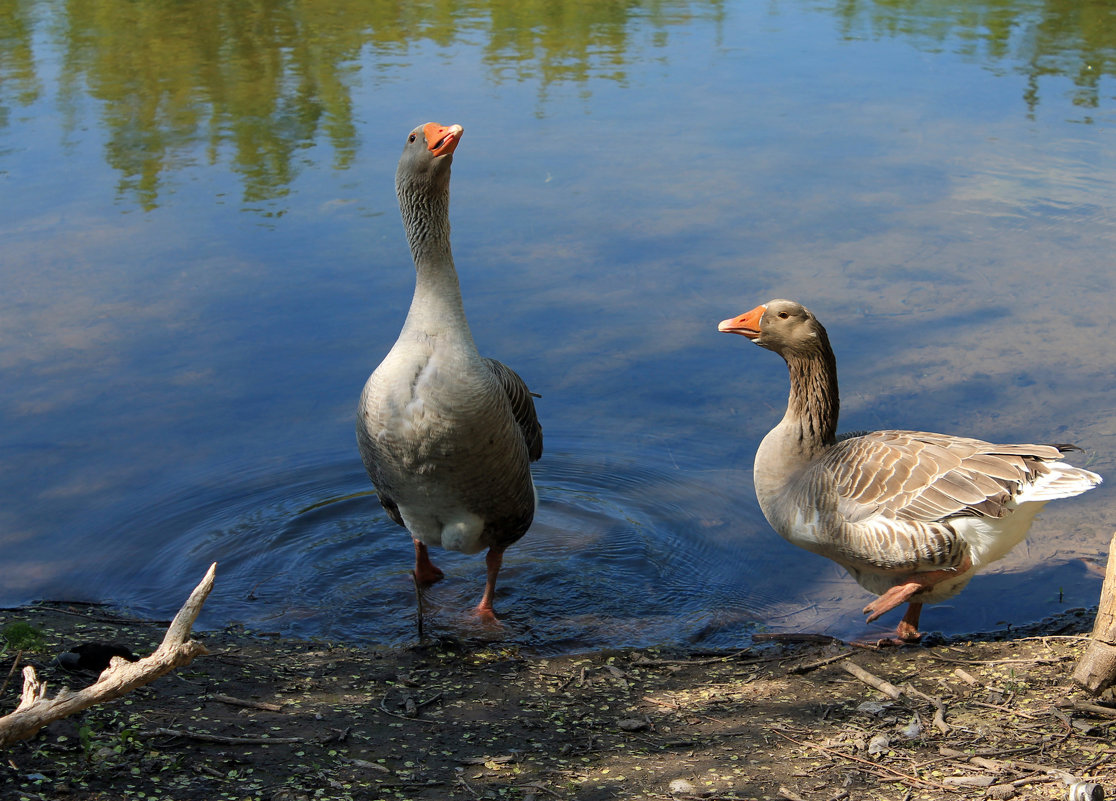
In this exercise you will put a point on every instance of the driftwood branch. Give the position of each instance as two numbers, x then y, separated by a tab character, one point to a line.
35	710
1097	669
872	680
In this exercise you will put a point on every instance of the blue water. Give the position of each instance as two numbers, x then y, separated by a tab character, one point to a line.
199	273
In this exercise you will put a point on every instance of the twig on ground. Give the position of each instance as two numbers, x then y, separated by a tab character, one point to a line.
1007	709
209	770
35	710
263	705
799	669
1092	709
217	738
966	677
667	704
644	662
885	687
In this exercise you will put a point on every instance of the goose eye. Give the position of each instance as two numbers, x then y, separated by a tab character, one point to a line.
411	138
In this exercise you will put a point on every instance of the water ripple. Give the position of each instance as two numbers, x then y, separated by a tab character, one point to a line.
623	551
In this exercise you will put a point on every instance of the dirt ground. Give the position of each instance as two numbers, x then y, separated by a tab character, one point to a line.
266	718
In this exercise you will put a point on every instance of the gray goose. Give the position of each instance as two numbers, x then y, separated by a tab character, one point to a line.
911	515
447	436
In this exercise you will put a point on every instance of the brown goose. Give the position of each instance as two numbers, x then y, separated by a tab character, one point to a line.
446	435
911	515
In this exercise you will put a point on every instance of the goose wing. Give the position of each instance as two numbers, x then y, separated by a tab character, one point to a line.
522	406
923	477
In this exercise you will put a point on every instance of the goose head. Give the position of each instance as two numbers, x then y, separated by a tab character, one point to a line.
426	159
783	326
422	185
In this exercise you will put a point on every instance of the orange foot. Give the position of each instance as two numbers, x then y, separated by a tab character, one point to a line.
915	583
907	630
484	609
425	572
891	599
487	616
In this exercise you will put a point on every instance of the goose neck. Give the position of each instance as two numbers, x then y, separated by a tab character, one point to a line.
814	402
437	304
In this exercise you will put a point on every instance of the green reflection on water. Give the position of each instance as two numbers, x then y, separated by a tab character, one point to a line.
264	79
253	83
1034	38
18	82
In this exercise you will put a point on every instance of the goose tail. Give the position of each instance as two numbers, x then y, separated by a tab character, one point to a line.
1061	480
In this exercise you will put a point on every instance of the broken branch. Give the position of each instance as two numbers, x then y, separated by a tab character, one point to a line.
885	687
1096	670
35	710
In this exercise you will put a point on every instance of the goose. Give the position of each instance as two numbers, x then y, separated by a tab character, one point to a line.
446	435
911	515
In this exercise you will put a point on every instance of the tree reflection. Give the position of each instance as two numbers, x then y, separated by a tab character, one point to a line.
1037	38
18	81
254	82
258	80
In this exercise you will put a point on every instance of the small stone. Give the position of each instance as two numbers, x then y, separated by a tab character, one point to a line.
681	787
633	724
879	744
1001	792
873	708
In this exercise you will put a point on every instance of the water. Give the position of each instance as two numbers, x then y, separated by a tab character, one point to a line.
203	260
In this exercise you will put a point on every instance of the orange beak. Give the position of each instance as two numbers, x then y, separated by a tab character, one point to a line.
747	324
441	140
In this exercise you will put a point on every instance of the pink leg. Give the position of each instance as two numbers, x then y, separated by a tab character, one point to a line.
917	582
484	610
908	626
892	598
425	571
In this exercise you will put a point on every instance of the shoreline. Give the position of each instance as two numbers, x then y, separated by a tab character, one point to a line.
265	717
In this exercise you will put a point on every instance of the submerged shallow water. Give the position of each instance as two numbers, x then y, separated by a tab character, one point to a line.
203	261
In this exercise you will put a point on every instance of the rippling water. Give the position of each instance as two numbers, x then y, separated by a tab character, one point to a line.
622	550
203	261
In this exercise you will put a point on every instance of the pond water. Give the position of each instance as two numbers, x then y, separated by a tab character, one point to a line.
203	261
